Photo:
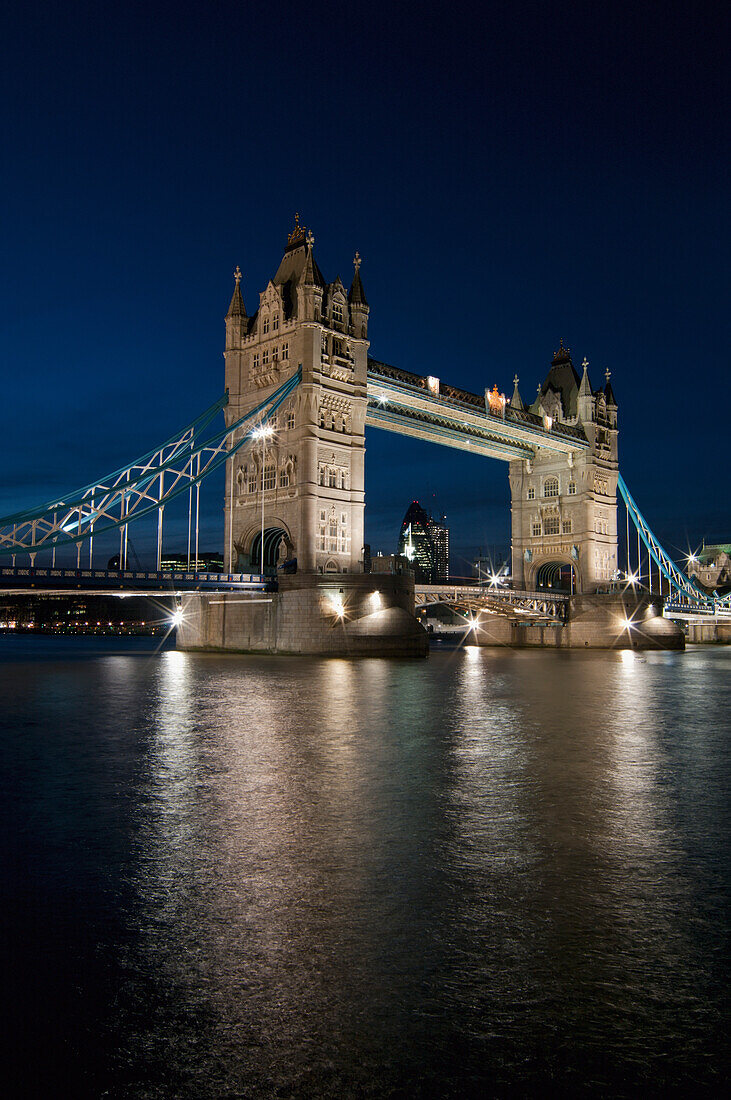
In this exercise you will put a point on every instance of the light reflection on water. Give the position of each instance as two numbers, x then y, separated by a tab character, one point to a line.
487	871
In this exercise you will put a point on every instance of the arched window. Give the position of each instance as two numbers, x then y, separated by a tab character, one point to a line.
270	477
572	488
550	487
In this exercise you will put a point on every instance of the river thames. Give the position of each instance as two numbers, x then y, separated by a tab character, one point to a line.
492	872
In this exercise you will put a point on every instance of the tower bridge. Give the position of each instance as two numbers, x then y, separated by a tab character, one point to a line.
301	389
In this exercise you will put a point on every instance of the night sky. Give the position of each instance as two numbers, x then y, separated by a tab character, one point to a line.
511	175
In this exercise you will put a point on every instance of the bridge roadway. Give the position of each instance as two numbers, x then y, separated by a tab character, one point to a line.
423	408
472	599
107	582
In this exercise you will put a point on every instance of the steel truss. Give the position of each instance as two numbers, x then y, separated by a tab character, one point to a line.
685	592
177	466
517	604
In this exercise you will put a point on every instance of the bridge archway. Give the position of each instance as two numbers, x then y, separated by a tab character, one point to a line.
272	556
557	576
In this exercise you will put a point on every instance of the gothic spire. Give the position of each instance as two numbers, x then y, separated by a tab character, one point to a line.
608	391
516	401
356	294
237	308
585	387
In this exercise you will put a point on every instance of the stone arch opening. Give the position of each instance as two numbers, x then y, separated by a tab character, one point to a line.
274	554
558	576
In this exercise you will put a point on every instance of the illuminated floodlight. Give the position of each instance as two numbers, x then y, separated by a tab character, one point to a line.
177	617
376	599
632	579
337	606
627	624
382	399
264	431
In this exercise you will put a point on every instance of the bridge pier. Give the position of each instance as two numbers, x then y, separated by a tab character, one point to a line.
338	615
596	621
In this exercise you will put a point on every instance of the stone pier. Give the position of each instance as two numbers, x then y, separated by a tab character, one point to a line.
338	615
617	621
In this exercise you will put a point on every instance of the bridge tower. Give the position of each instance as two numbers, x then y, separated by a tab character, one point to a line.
312	480
564	511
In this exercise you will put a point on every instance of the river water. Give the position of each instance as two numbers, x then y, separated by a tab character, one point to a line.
492	872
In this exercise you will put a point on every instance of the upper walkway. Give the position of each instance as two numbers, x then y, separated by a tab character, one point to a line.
424	408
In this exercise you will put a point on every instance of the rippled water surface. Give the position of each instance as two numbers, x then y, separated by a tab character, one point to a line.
491	872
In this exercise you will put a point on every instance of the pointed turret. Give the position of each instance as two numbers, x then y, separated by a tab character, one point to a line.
608	391
516	400
585	402
237	307
358	302
356	294
237	322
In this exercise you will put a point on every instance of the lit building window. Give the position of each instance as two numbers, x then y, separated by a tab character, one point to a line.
572	488
550	487
531	493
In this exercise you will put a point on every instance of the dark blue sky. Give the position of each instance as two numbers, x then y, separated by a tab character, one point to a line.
511	174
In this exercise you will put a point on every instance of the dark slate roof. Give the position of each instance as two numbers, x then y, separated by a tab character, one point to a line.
236	308
563	379
356	293
609	395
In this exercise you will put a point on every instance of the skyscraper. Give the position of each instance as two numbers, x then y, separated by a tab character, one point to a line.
439	535
425	542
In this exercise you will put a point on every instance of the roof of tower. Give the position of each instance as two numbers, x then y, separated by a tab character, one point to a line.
516	401
298	265
356	294
609	394
298	235
563	379
237	308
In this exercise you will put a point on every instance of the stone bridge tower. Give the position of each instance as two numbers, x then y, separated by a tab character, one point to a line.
564	512
313	477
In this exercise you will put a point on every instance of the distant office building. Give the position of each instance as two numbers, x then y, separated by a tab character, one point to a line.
425	542
207	563
439	535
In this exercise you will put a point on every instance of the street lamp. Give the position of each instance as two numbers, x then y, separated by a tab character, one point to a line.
263	432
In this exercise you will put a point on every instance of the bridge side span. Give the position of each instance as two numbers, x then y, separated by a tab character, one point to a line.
135	491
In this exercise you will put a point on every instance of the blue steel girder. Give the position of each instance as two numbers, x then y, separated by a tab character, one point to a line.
678	581
402	403
140	489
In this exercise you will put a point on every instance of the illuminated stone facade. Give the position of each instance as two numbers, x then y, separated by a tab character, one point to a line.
564	509
313	477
